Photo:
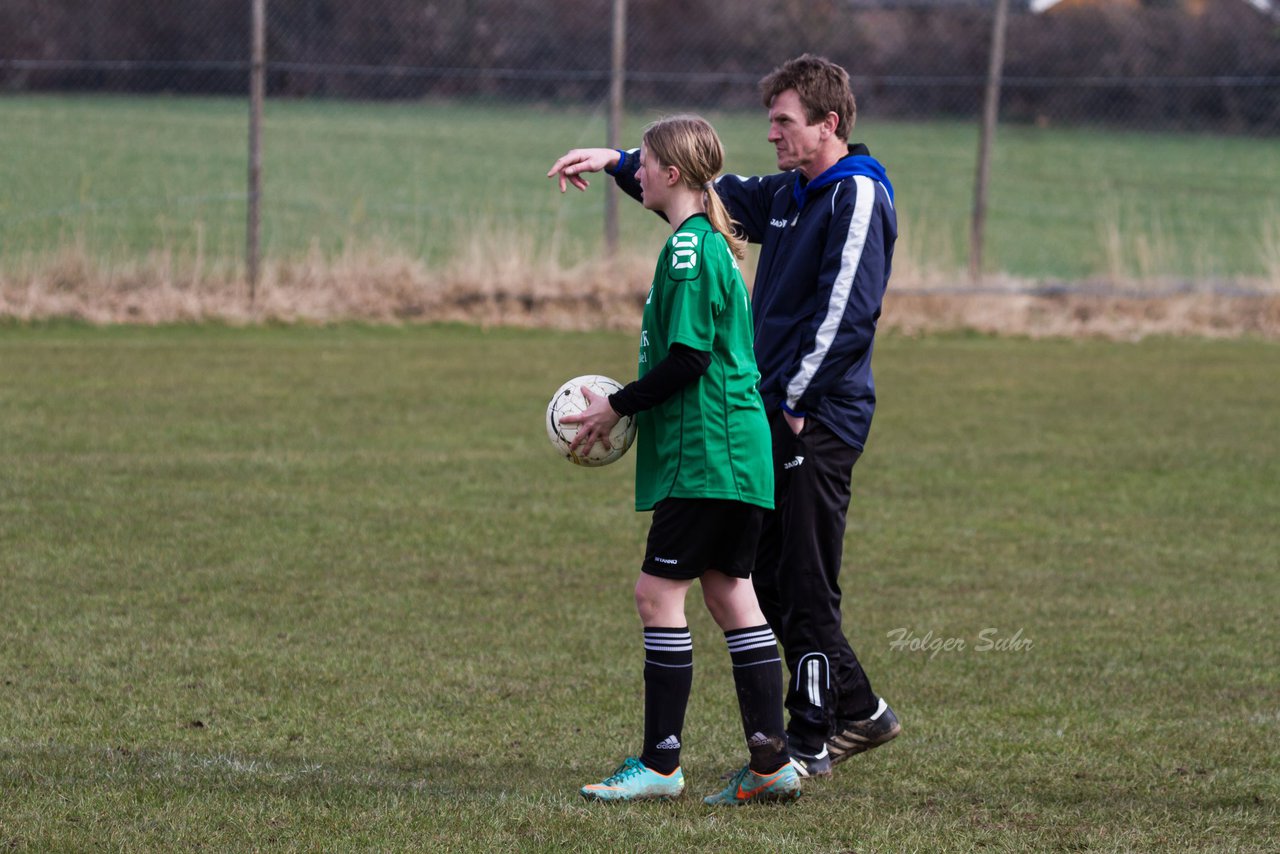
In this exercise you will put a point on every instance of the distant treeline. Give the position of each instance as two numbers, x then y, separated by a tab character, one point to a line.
1103	61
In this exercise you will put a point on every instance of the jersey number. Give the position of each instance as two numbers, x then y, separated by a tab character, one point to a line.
684	255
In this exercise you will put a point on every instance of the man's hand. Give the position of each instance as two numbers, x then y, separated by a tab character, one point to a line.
595	422
579	161
795	422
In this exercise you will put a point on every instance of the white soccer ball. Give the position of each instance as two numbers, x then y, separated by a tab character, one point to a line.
569	400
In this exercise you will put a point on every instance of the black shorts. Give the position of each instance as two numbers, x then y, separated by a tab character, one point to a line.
688	536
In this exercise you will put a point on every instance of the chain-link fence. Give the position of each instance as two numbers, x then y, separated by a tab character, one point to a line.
1207	64
1137	139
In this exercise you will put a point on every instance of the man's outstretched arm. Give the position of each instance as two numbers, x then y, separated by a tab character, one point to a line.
571	168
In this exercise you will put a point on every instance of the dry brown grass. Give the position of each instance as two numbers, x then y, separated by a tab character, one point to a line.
518	287
1084	315
479	286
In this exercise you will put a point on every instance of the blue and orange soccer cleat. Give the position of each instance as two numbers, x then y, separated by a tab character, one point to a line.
635	781
748	787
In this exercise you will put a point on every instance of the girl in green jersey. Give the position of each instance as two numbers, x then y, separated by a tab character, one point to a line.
704	466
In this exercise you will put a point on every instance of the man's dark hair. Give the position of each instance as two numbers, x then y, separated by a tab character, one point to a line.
823	88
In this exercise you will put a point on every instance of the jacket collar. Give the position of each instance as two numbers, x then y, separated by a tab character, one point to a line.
857	162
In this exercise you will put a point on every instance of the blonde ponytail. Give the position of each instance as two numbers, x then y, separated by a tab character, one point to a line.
723	223
690	144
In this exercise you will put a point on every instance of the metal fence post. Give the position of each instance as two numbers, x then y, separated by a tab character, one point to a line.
990	113
616	79
257	91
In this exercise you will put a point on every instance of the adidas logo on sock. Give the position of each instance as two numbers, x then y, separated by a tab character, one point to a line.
668	743
758	740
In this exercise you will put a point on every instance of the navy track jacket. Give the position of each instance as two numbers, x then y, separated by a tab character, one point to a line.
825	254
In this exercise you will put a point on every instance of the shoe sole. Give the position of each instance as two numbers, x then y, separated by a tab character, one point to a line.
591	798
770	798
773	798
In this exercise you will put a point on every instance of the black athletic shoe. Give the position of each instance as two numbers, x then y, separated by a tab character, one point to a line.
811	766
857	736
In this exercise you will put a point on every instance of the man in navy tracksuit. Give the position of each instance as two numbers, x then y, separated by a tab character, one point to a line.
826	225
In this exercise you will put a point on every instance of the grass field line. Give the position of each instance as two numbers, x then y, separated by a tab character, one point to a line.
82	764
293	460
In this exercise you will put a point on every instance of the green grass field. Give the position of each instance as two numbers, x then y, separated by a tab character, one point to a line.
122	177
330	589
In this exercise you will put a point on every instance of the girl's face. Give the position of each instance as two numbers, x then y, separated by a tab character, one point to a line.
656	180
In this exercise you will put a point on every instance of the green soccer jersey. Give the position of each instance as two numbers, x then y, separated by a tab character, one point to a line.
710	439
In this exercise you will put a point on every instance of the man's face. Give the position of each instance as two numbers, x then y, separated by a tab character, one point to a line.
796	141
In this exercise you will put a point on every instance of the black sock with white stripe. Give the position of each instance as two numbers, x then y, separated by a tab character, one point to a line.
668	676
757	674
